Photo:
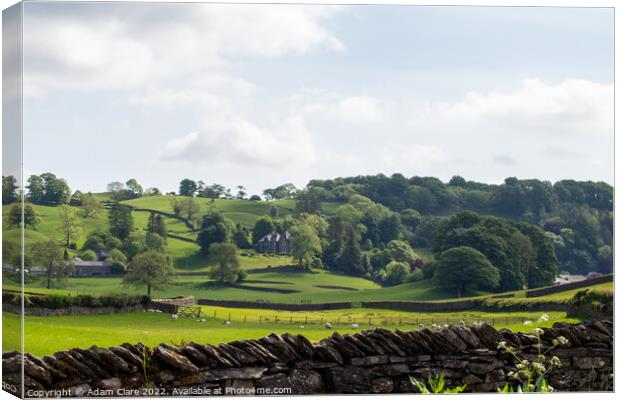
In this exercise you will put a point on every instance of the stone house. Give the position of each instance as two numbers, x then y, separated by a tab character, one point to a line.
274	242
92	268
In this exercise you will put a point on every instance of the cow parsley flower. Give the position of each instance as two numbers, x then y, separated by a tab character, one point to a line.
538	367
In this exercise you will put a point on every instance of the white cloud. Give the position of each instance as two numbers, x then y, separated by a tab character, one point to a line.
215	93
360	109
352	109
571	106
124	49
238	142
412	156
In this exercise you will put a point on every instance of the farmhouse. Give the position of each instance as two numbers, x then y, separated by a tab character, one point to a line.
274	242
92	268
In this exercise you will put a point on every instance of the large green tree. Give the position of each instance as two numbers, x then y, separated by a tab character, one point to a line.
263	226
120	220
90	205
187	187
225	267
156	224
308	201
70	224
306	244
215	229
47	188
465	267
9	189
51	256
36	189
31	216
57	190
189	209
523	254
150	269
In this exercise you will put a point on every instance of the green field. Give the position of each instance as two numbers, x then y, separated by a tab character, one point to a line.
49	225
314	287
244	212
46	335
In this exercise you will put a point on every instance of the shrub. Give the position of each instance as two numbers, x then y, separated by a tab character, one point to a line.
88	255
396	273
316	264
86	300
429	269
600	300
416	275
242	275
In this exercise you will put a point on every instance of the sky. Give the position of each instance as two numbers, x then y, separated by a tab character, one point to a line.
261	95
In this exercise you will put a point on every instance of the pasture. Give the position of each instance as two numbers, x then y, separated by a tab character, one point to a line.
314	287
45	335
245	212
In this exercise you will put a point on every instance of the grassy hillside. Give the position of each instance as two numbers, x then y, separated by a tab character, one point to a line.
245	212
50	222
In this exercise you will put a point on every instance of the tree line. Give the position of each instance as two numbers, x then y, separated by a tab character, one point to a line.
576	216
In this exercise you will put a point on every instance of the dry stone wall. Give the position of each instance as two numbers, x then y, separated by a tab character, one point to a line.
376	361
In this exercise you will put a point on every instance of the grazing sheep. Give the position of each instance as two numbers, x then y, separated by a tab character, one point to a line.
328	325
227	322
175	316
355	326
301	327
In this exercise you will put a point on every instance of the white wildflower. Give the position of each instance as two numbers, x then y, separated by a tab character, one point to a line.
538	367
537	331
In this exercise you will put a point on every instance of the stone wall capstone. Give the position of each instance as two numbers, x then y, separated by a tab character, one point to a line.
374	361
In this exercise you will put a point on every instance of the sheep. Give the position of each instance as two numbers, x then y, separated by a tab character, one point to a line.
175	316
227	322
301	327
328	325
355	326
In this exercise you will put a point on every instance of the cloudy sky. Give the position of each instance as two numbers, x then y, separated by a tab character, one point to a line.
260	95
